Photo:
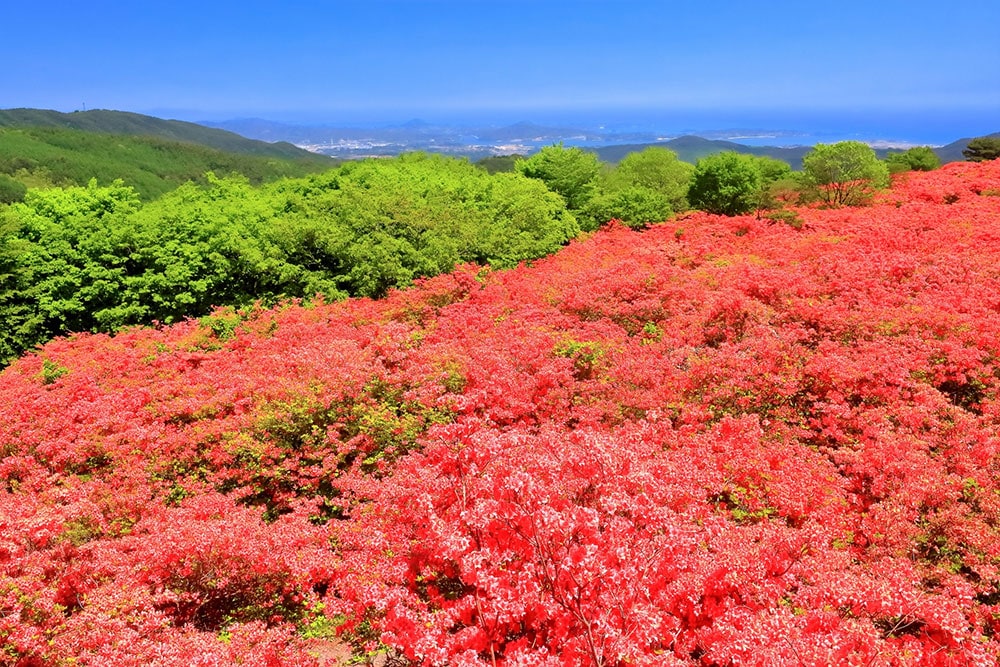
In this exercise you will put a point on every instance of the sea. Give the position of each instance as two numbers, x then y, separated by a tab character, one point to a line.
882	128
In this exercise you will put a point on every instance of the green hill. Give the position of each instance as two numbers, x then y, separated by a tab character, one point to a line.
133	124
41	156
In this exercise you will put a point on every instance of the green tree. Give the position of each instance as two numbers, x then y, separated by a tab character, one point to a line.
982	149
201	247
17	312
69	260
772	169
570	172
97	259
775	180
726	183
918	158
845	173
635	206
656	169
499	163
419	215
646	186
11	190
523	220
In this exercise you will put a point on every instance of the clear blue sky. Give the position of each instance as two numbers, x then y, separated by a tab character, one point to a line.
276	59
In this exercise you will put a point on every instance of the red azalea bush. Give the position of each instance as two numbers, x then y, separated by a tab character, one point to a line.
719	441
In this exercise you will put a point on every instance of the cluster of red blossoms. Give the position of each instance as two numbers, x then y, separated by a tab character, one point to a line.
719	441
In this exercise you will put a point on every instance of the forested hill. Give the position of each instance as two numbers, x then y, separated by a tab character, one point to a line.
56	156
133	124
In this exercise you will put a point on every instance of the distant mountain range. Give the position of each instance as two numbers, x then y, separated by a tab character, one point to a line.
472	142
414	131
260	137
522	138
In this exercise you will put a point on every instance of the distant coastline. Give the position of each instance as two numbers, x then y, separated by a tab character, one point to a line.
477	135
880	128
786	135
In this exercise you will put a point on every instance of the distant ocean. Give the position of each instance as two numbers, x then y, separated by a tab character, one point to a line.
791	128
781	127
898	128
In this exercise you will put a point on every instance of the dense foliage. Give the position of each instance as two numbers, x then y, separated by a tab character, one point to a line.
844	173
718	441
726	184
498	163
570	172
128	124
11	190
982	149
45	156
95	258
918	158
645	187
656	169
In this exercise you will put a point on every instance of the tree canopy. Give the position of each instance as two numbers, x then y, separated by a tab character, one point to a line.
497	163
726	183
632	205
11	190
654	168
918	158
96	258
646	186
571	172
982	149
844	173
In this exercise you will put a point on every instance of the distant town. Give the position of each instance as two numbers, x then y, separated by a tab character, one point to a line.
517	138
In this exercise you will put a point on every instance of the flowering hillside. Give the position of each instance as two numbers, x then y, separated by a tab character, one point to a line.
720	441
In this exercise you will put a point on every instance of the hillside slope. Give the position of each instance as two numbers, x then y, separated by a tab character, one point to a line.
43	156
718	441
133	124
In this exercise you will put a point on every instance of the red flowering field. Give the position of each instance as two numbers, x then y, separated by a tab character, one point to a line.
719	441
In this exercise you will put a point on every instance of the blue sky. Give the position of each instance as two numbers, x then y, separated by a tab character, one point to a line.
359	58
